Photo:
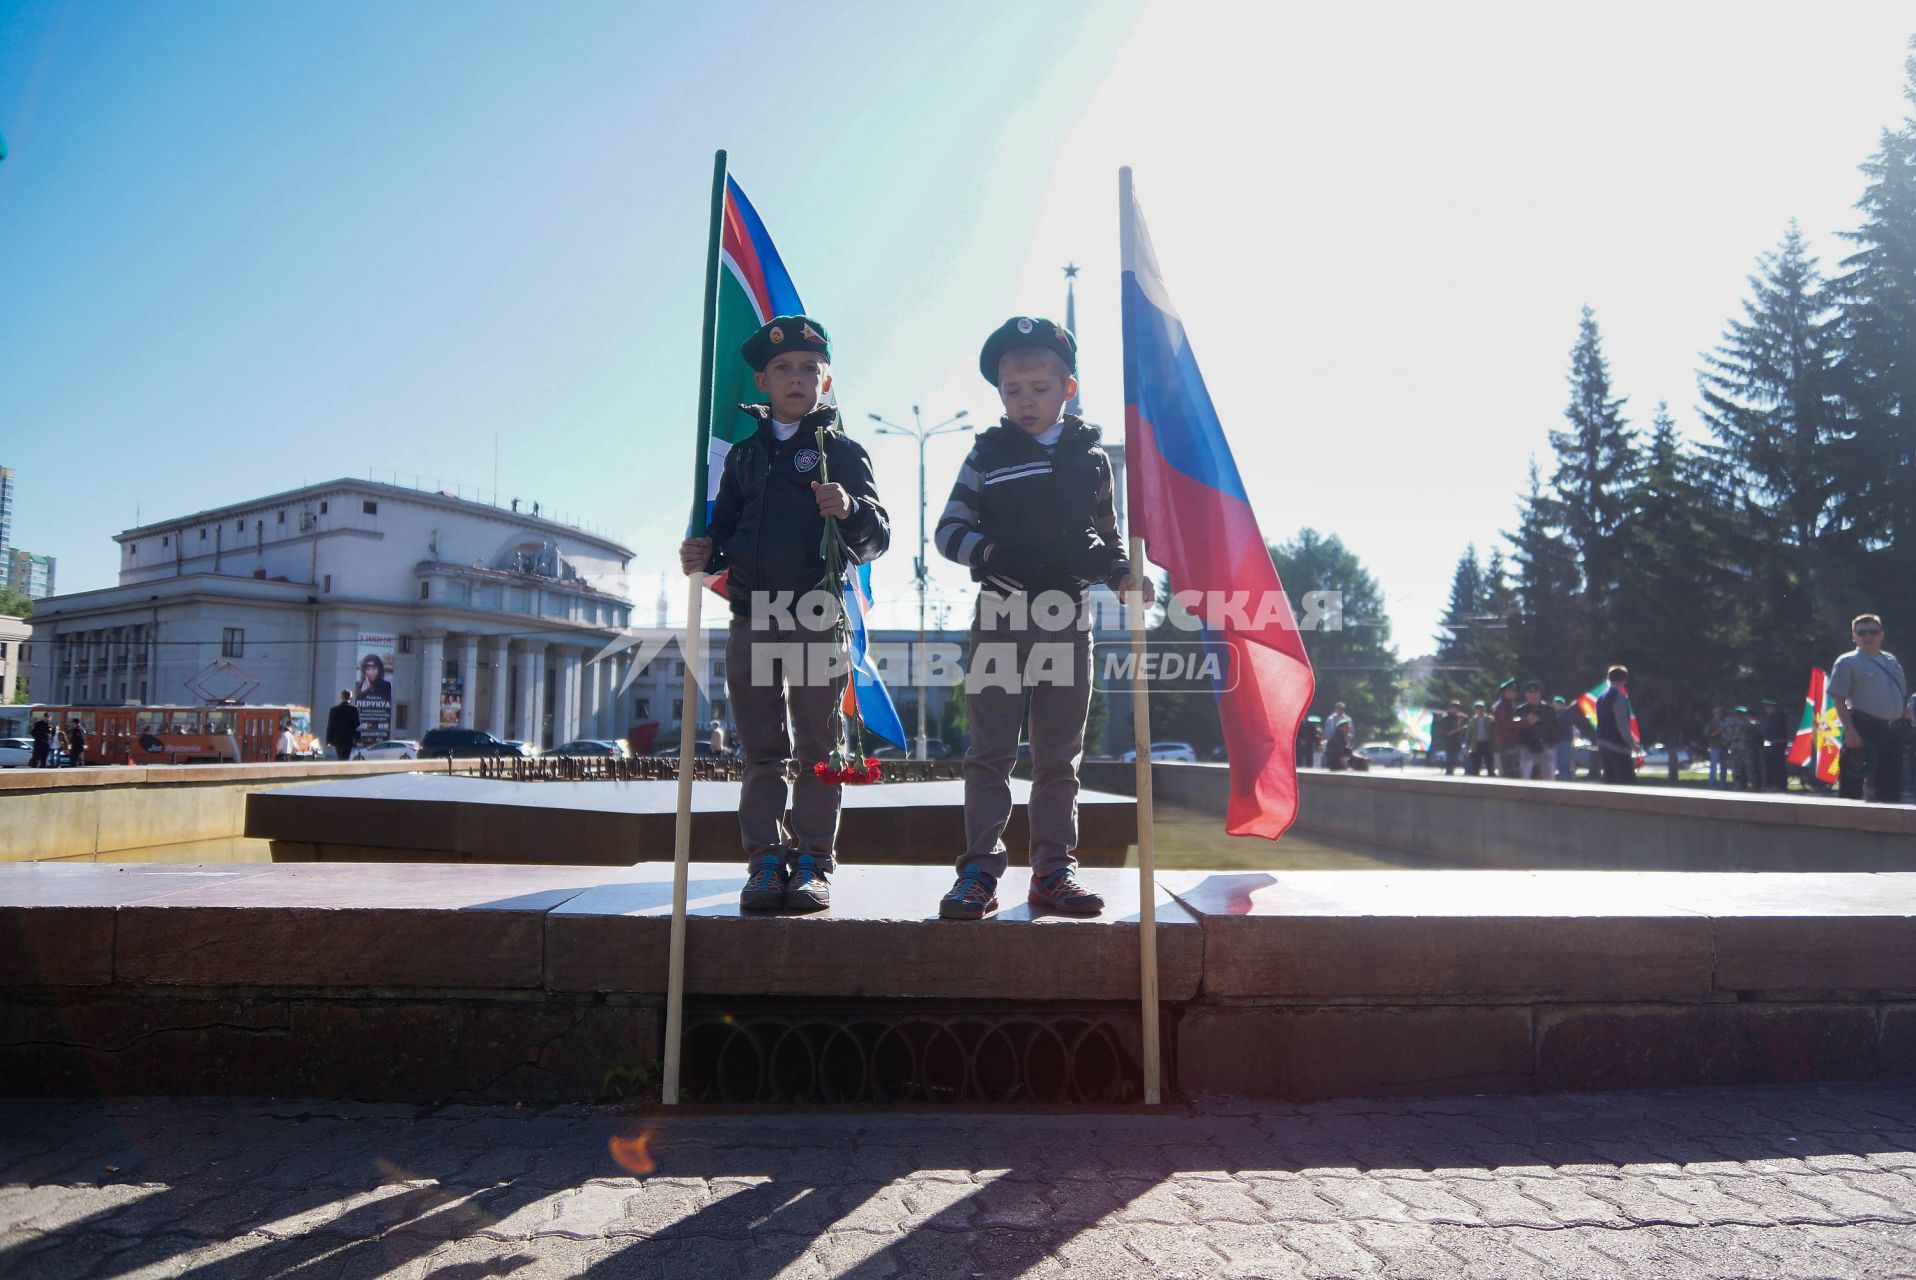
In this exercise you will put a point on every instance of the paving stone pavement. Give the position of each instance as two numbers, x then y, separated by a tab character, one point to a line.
1786	1182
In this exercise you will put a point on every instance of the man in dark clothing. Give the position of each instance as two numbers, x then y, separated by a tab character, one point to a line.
76	743
1777	736
1482	742
1504	721
1309	735
1616	741
42	742
342	726
1451	727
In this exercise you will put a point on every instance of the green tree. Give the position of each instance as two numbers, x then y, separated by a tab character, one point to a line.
1549	628
1596	464
1355	662
1783	479
1455	673
1877	293
14	603
1676	616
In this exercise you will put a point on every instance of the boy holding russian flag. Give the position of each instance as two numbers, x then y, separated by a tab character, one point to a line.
765	532
1032	517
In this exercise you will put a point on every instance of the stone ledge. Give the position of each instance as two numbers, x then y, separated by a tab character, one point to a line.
1553	936
881	938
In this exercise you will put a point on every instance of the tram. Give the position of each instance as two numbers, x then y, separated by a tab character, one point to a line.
186	735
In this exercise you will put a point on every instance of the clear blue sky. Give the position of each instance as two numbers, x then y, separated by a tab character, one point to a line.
246	246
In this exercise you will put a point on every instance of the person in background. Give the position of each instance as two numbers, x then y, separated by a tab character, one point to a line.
1570	724
1482	741
1504	723
42	741
1617	744
288	746
1337	748
1746	750
1536	734
1452	726
1310	736
1872	699
717	741
1777	735
342	726
1716	738
76	743
1338	718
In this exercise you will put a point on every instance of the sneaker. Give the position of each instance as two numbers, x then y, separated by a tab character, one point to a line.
809	889
972	898
765	886
1061	892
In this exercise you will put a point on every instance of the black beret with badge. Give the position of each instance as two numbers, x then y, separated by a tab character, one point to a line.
785	333
1026	331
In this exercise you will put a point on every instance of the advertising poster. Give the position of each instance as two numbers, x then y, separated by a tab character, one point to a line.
373	686
451	697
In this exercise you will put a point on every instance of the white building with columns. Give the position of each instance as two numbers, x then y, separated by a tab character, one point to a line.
496	615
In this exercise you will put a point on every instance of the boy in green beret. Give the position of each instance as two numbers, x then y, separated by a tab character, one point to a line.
766	530
1031	516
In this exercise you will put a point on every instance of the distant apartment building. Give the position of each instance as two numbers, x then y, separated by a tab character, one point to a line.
30	575
6	514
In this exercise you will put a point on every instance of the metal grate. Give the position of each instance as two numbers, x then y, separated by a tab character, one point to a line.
850	1055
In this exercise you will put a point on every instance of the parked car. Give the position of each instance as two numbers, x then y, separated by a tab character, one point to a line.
1658	757
593	747
701	749
1384	756
391	749
465	743
15	751
1166	753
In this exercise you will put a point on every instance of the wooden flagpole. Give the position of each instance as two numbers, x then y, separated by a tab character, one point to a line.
1147	854
692	645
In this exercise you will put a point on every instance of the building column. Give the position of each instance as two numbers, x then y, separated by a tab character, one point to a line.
532	687
432	670
610	725
592	710
468	681
500	664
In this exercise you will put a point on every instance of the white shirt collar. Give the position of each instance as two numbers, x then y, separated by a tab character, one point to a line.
784	430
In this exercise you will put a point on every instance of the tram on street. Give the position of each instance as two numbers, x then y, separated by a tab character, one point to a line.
186	735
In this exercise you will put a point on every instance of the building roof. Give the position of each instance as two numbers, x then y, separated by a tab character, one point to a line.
379	488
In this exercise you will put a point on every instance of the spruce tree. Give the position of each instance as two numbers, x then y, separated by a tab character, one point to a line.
1782	470
1549	632
1877	292
1677	614
1596	463
1455	672
1770	396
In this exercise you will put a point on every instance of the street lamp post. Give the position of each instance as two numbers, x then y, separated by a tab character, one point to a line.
920	570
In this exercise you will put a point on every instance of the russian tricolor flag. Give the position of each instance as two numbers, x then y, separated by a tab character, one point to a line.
1189	506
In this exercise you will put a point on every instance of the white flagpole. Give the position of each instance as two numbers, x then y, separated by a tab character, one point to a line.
1141	726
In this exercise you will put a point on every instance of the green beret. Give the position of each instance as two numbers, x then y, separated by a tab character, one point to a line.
1528	685
785	333
1742	711
1508	684
1024	331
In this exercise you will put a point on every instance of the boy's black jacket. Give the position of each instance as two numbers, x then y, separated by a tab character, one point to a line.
1024	517
765	526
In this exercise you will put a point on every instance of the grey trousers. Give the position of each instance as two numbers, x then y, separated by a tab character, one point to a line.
766	674
1052	669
